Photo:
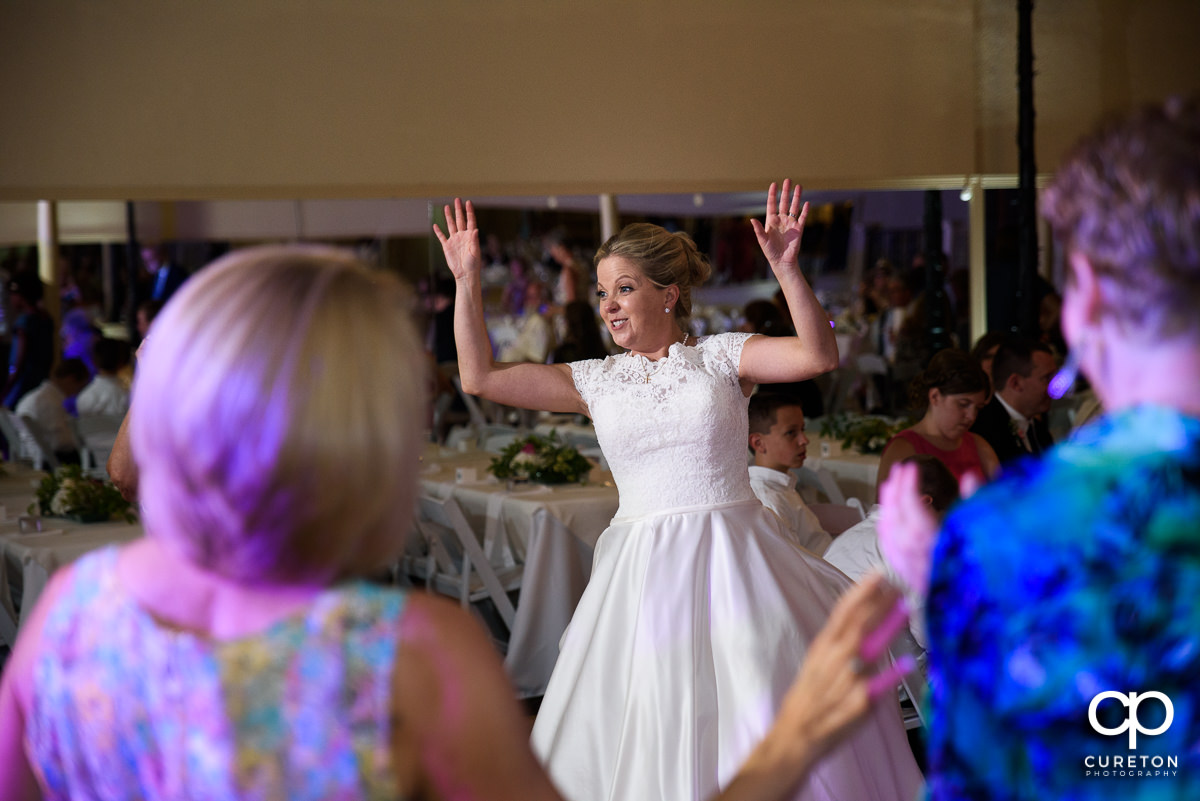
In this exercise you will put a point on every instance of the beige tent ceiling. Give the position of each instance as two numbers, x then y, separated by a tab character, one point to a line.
245	99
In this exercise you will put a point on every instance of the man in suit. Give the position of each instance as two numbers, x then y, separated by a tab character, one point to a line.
165	275
1013	422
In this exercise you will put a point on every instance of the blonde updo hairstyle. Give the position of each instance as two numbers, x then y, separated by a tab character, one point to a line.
664	258
277	417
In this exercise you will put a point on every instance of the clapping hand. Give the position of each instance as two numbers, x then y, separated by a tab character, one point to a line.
908	528
461	242
779	235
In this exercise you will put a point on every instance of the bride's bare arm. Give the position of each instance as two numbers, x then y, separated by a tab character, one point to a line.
527	386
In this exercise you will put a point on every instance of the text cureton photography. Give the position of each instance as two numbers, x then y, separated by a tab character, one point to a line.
1131	765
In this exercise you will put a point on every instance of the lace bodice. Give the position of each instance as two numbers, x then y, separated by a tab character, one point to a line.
673	431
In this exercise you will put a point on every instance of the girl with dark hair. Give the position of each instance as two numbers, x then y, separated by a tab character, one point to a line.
948	395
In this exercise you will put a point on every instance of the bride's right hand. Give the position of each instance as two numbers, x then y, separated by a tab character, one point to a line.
461	242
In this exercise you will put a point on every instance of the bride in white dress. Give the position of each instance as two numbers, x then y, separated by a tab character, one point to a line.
698	610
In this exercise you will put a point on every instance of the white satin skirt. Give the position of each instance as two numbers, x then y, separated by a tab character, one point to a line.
691	630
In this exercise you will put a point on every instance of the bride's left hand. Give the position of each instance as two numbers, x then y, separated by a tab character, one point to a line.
779	235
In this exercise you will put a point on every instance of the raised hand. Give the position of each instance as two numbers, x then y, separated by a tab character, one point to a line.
779	235
907	527
461	242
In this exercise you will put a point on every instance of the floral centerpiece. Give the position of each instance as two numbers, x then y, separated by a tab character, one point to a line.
67	492
865	433
545	459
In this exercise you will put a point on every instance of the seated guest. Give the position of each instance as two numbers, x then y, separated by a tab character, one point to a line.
45	407
536	338
948	395
856	552
78	334
1065	588
1013	422
581	339
106	394
779	445
984	351
235	652
147	310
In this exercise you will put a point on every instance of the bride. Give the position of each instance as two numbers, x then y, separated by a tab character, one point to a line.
698	608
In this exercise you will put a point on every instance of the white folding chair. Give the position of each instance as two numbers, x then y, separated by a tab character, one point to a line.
819	479
8	427
837	517
460	567
417	561
870	365
96	434
35	445
914	686
479	419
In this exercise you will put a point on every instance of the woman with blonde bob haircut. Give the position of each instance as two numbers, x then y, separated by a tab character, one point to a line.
248	430
233	654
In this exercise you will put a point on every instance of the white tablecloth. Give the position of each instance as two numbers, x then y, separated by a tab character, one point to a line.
553	531
30	558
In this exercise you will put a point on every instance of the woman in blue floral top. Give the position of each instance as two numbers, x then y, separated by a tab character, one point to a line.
233	654
1064	599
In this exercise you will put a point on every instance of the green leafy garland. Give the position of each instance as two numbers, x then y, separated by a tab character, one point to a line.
544	459
867	433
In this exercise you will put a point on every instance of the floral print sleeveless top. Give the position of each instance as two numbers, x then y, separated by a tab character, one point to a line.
127	708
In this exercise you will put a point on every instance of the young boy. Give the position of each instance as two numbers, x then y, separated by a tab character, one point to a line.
856	550
779	444
43	408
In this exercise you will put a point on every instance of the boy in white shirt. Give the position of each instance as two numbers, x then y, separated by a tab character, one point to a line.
43	407
856	550
106	394
779	444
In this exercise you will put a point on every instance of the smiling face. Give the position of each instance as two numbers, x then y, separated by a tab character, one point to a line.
632	307
953	415
785	445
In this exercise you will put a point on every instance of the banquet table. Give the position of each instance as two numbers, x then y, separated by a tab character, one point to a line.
30	556
551	530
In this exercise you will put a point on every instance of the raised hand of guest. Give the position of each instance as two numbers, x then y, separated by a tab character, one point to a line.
908	527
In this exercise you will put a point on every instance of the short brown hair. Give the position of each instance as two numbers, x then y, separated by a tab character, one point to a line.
935	480
277	416
951	372
1128	198
764	406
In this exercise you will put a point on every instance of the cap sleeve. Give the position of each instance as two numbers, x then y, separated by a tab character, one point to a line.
723	352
